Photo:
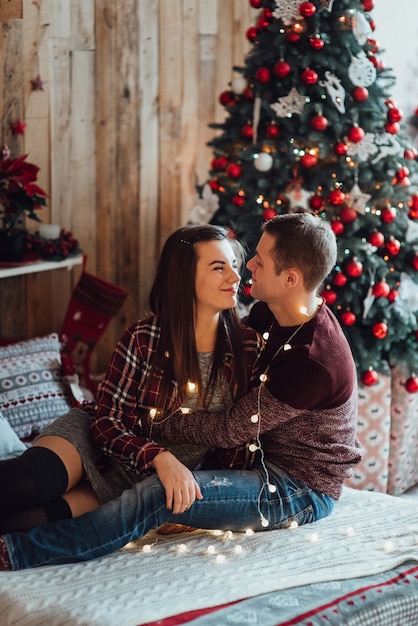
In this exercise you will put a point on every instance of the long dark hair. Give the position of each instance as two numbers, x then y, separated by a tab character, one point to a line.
172	299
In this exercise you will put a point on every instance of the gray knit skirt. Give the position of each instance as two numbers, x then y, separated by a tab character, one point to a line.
108	480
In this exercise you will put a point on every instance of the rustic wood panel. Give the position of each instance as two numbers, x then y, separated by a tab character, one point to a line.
11	9
119	132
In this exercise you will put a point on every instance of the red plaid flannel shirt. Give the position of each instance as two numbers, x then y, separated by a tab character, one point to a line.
122	406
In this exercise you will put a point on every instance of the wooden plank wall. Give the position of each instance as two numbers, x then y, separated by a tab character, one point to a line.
119	131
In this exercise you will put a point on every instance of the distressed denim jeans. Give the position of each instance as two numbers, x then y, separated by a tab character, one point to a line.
232	500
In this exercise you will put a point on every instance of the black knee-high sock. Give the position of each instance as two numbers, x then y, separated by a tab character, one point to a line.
35	477
25	519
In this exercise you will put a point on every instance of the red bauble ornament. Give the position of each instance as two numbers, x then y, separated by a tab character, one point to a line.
316	202
381	289
263	23
252	34
392	128
394	115
413	214
248	93
410	153
292	37
220	163
403	172
393	294
354	268
348	214
309	77
238	200
360	94
309	160
272	131
226	98
411	385
355	134
214	184
376	238
316	43
414	262
413	202
388	215
319	123
380	330
369	378
256	4
393	246
339	279
337	227
341	148
368	5
336	197
247	131
307	9
263	75
268	214
329	296
348	318
281	69
234	170
373	45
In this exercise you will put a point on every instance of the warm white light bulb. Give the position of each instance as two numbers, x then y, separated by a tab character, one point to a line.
152	413
252	447
264	522
146	548
254	418
210	550
272	488
191	387
263	378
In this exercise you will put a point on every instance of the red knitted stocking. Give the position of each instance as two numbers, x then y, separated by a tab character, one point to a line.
93	304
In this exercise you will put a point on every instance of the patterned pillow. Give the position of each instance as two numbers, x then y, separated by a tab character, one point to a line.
32	393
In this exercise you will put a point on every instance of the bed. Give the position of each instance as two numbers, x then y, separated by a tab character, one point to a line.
357	567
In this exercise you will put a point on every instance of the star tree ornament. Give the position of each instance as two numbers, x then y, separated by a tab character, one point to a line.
37	84
358	200
297	196
289	105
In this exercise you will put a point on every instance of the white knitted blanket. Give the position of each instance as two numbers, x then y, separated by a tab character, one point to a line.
366	534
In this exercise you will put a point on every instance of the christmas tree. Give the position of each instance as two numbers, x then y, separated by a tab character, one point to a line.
310	126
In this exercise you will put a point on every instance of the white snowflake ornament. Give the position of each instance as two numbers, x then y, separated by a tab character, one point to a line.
290	104
287	11
204	207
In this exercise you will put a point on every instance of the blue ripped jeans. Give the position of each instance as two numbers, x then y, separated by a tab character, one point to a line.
232	500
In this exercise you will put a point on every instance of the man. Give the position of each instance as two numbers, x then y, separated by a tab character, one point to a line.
301	419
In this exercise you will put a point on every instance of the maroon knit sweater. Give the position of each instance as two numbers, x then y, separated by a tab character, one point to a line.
308	418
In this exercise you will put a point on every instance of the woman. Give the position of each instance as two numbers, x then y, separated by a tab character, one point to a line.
191	353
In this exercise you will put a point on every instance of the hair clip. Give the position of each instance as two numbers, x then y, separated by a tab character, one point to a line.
186	241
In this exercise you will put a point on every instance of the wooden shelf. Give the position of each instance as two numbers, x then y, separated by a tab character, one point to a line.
40	266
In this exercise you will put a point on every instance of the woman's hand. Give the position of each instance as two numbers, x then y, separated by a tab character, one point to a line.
180	486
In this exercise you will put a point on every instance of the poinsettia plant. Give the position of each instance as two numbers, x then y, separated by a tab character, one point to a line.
20	196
